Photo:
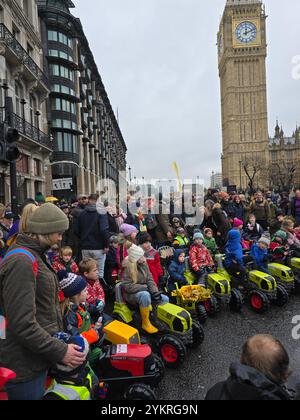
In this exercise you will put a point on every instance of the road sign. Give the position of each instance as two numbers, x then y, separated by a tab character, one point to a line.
62	184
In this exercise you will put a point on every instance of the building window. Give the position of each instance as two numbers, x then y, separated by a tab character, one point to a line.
70	125
37	168
58	104
33	110
29	50
66	142
61	38
60	54
274	156
23	165
61	71
63	89
18	97
289	155
15	32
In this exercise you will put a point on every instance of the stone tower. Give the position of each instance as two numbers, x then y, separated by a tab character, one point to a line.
242	51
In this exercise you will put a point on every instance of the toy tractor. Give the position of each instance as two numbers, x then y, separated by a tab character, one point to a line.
177	331
261	289
193	299
283	275
129	372
295	266
5	376
219	285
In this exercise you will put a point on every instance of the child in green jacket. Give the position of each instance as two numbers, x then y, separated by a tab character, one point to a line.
210	242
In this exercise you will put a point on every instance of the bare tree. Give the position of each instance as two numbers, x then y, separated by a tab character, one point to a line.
252	167
281	175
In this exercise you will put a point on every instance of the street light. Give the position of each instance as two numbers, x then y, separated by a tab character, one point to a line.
23	103
38	114
241	175
130	178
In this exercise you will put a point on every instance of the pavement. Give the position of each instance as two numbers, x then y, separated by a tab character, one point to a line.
225	336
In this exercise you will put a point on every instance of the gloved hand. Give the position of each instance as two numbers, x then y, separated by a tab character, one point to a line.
100	306
156	297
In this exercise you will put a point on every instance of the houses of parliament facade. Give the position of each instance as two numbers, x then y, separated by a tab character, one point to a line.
242	53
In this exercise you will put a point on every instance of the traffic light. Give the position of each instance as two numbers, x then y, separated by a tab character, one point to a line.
9	137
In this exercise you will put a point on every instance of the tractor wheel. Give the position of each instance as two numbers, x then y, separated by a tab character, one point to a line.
236	301
171	350
259	302
282	296
297	285
140	392
201	313
198	334
212	306
160	367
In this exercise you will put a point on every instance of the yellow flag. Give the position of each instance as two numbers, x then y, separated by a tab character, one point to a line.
176	169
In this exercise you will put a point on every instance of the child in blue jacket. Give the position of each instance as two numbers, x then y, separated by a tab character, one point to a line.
234	262
177	270
260	254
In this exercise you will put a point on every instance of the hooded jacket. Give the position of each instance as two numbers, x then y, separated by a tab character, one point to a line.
177	269
247	384
31	308
260	257
92	229
234	249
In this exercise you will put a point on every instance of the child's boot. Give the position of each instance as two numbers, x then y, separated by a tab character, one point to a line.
146	324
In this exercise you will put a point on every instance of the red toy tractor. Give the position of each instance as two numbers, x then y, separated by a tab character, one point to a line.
5	376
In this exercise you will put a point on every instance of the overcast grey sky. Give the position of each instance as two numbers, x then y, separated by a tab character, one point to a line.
158	62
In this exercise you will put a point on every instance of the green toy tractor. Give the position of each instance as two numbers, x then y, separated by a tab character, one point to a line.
193	299
177	330
262	289
219	284
283	275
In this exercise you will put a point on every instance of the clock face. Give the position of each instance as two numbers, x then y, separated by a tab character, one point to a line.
246	32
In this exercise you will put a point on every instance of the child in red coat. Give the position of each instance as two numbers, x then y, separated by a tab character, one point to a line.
95	293
152	256
65	262
200	258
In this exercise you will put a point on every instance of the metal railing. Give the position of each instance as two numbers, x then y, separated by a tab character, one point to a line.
10	41
26	129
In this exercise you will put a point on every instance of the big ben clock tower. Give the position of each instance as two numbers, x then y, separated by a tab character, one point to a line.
242	50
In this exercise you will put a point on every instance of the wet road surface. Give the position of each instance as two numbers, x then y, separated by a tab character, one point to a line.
225	336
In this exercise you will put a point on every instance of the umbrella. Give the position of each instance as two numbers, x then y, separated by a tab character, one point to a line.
51	200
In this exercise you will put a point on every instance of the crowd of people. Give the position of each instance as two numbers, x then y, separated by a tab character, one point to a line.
61	262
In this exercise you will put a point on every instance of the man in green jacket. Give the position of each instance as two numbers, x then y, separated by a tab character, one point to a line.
29	303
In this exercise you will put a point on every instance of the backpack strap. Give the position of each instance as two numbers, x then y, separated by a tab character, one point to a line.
28	254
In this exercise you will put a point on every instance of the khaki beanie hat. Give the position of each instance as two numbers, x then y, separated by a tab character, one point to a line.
135	253
48	219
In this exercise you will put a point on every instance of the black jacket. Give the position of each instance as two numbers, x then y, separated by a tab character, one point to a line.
92	229
247	384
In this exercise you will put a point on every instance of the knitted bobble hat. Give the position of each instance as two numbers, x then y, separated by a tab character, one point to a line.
135	253
71	284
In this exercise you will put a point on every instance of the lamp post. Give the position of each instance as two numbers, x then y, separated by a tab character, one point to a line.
130	177
23	103
38	114
241	175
